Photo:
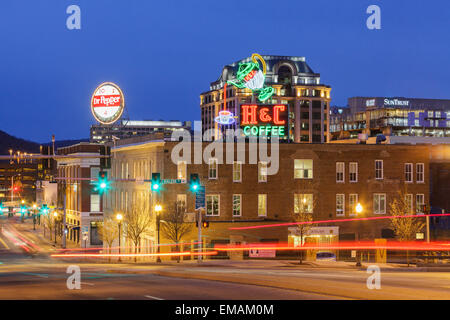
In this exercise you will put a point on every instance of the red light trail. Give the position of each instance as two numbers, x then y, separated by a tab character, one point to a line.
101	255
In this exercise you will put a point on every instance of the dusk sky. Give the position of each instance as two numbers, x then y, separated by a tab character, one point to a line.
163	54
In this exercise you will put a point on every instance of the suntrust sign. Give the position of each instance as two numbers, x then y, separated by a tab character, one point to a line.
264	120
396	102
107	103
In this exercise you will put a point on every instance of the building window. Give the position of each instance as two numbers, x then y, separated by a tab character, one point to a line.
262	205
409	202
212	205
95	203
212	170
94	174
303	203
237	171
303	168
378	169
340	171
181	202
353	169
408	172
379	203
352	202
262	171
420	202
237	200
419	173
181	170
340	204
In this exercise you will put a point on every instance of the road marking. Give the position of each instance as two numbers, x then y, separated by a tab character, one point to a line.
36	274
154	298
89	284
4	243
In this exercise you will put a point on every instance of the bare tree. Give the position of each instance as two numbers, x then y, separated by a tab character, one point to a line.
405	228
174	226
49	222
305	201
108	232
137	220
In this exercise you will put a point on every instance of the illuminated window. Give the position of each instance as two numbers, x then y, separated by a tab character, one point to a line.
353	170
352	202
237	171
420	173
262	205
212	205
340	171
303	169
420	202
237	199
262	171
340	204
378	169
303	203
409	203
379	203
181	170
408	172
181	202
212	170
95	203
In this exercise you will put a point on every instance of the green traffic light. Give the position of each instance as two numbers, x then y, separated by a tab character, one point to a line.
155	186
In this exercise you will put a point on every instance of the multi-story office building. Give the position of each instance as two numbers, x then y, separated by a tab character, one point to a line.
296	86
19	176
329	180
129	128
396	117
76	180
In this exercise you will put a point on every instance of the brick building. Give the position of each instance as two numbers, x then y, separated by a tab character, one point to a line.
330	179
84	209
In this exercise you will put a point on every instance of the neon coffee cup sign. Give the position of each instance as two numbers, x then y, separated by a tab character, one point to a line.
107	103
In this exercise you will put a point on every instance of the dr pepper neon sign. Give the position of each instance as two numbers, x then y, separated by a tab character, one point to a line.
264	120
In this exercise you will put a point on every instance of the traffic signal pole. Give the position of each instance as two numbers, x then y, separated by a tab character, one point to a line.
200	249
64	223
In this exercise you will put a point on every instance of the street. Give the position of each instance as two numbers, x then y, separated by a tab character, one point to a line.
28	272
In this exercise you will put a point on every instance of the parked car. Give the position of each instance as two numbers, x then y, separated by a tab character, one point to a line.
325	256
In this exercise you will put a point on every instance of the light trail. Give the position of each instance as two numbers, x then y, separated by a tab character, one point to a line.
338	220
130	247
124	255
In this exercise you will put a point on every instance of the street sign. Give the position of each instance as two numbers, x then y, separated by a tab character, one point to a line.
200	199
85	229
172	181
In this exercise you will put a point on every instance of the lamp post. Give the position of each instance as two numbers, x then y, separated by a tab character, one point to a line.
119	218
359	210
158	209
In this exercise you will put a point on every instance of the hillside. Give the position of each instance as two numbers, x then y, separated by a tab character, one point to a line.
10	142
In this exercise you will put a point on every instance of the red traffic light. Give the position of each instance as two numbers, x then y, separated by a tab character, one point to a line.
205	224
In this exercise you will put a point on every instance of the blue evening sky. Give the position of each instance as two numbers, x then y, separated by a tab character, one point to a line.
163	54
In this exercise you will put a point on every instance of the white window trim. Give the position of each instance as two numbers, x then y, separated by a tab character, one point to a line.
209	168
385	200
265	210
349	172
352	209
240	170
423	172
185	169
423	197
261	175
312	169
218	205
411	202
343	204
382	170
343	172
240	205
412	173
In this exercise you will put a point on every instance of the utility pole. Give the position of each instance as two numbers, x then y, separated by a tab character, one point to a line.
428	228
12	188
200	249
64	224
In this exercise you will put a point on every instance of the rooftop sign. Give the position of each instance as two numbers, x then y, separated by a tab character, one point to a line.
107	103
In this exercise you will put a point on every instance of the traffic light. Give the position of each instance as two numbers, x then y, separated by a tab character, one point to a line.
156	181
425	209
23	209
44	209
1	208
194	182
102	183
205	224
105	162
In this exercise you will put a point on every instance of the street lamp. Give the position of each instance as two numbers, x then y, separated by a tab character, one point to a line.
158	209
359	210
119	218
